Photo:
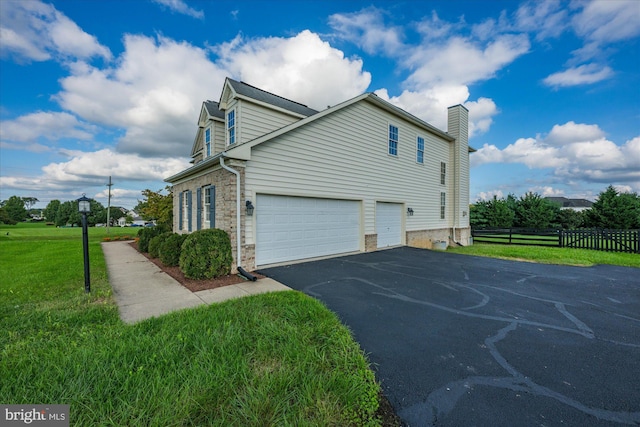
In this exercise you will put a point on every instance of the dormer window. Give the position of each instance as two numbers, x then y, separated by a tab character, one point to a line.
231	127
207	141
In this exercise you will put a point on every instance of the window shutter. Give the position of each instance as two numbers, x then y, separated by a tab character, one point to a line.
180	207
198	208
212	207
189	216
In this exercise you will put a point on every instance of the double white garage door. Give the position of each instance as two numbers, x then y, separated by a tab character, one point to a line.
293	228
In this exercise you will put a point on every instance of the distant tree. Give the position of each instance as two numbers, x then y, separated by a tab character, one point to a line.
499	214
568	219
478	214
14	208
615	210
67	214
5	218
534	211
29	202
51	210
157	207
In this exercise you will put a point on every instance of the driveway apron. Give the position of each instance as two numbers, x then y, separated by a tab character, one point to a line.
459	340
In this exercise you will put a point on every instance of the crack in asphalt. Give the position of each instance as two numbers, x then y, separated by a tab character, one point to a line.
442	401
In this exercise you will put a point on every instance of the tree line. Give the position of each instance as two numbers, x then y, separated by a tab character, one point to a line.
612	210
156	206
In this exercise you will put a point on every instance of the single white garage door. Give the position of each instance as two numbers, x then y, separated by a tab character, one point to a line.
291	228
389	224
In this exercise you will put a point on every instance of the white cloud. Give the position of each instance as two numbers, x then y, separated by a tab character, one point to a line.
180	6
571	132
489	195
581	75
431	106
100	164
156	90
45	124
575	152
36	31
546	18
155	93
481	114
436	79
303	68
439	64
367	30
604	22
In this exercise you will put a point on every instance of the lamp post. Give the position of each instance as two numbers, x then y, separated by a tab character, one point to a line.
84	207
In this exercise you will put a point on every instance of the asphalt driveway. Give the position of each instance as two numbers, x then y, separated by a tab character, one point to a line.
458	340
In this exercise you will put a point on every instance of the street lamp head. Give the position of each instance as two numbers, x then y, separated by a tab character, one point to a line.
84	204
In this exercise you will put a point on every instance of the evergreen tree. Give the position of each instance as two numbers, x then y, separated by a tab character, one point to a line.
534	211
614	210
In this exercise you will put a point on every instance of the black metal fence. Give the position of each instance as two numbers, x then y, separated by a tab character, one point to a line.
597	239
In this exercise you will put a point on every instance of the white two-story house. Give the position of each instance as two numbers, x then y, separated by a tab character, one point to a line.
288	182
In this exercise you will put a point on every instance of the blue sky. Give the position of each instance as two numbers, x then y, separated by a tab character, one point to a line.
95	89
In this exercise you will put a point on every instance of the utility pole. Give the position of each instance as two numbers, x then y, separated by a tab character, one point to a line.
109	205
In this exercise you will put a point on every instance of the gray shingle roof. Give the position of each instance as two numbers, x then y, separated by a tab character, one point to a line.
213	109
571	203
247	90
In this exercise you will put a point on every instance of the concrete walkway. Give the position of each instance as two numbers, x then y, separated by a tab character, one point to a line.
142	290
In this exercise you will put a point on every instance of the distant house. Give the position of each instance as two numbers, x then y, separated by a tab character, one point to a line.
288	182
573	204
137	220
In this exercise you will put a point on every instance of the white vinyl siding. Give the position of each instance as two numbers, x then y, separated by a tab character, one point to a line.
257	120
218	131
292	228
337	156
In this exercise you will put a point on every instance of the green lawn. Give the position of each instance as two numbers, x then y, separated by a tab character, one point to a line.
549	255
274	359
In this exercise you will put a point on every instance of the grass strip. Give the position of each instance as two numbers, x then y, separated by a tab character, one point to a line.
272	359
549	255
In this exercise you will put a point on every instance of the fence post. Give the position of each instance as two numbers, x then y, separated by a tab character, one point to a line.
510	232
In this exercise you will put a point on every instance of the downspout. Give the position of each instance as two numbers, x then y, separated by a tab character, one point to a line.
238	224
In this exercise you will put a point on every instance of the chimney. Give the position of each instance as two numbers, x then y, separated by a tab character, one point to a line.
458	127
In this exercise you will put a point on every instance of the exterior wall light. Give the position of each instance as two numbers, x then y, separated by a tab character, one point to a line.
409	212
84	207
250	208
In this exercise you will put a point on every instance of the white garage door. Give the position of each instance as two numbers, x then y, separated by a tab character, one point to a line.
389	224
291	228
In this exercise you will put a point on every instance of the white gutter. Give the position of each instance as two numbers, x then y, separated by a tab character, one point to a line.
238	226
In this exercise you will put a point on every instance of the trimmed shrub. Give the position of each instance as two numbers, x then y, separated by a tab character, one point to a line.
170	249
206	254
146	234
155	242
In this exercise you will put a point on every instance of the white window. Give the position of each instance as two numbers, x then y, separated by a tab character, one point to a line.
207	206
231	127
186	210
443	201
207	141
393	140
443	173
420	150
